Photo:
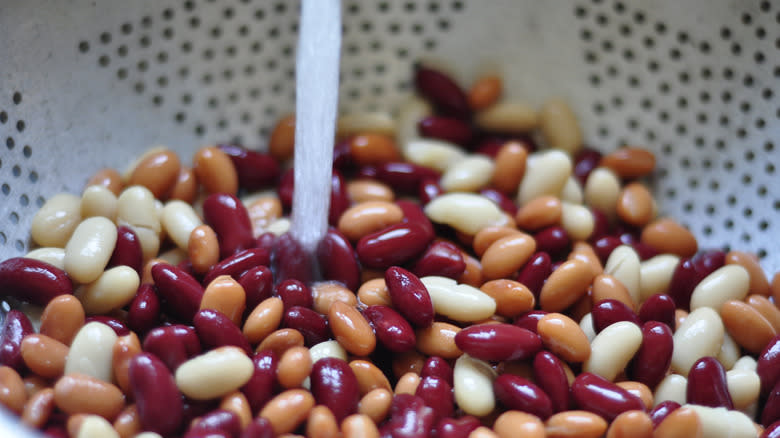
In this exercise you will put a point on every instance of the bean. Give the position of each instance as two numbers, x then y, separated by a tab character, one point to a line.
602	397
56	220
508	118
392	330
81	394
465	212
280	340
445	128
721	422
484	92
771	410
89	249
263	210
667	236
767	366
498	342
407	383
470	174
562	336
546	174
707	384
359	426
263	320
510	164
288	410
746	325
43	355
215	329
607	287
535	272
662	410
228	217
157	398
215	170
219	421
93	426
766	308
254	169
518	393
654	356
672	387
33	280
136	208
62	318
12	392
214	374
701	334
98	201
635	205
473	386
50	255
185	187
613	348
257	283
759	284
369	376
125	348
409	296
577	221
575	423
640	390
180	292
438	339
107	177
376	404
39	408
659	307
731	282
609	311
407	177
373	149
629	162
409	417
173	344
442	91
512	298
127	251
743	386
225	295
624	264
460	302
392	245
337	259
441	259
282	139
369	190
157	172
655	274
91	352
489	235
507	254
260	386
565	285
113	289
322	424
368	217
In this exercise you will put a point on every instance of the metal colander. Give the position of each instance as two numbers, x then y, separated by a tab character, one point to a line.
87	84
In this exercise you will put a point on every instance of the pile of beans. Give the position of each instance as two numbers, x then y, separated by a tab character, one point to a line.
485	275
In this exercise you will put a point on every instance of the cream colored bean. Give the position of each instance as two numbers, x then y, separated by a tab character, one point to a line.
613	348
55	222
586	324
745	363
95	426
410	112
327	349
559	126
701	334
435	154
149	240
623	264
577	220
730	282
214	374
148	435
468	175
136	206
466	212
724	423
460	302
178	221
51	255
729	351
744	387
602	190
508	118
546	173
365	122
115	288
98	201
91	352
673	387
89	249
655	274
473	385
572	191
279	226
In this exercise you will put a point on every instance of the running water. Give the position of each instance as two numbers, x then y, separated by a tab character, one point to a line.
316	91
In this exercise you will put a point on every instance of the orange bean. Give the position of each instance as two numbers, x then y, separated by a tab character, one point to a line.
282	141
74	424
410	361
565	285
368	217
509	167
758	281
512	298
203	248
44	355
281	340
472	275
681	423
262	211
485	91
774	288
438	339
363	190
146	272
351	329
288	410
511	424
629	163
581	424
128	423
237	403
540	212
158	172
374	293
640	390
369	377
186	186
359	426
506	255
486	236
264	319
327	293
322	423
606	287
482	432
108	178
373	149
371	274
766	308
38	409
631	424
667	236
215	171
407	384
746	325
125	348
376	404
294	367
33	384
225	295
12	393
564	337
583	251
62	318
635	204
82	394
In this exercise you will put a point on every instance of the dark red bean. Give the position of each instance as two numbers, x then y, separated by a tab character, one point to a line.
644	251
55	431
414	214
707	384
627	234
456	427
550	375
437	367
333	384
409	296
313	326
255	170
585	161
497	342
442	259
366	172
521	394
294	293
339	198
342	156
238	263
768	366
771	412
157	398
196	408
392	330
258	284
260	427
260	387
208	434
33	280
609	311
405	177
503	201
684	280
489	145
662	410
442	91
393	245
772	431
337	260
179	292
446	128
219	420
292	260
708	261
530	320
652	360
267	241
553	240
409	418
604	246
659	307
535	272
215	329
596	394
600	225
116	325
172	344
429	189
15	327
285	188
437	395
228	217
127	250
143	313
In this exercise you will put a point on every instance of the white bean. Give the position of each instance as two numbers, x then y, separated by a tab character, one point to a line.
410	113
572	191
546	173
466	212
700	335
577	220
214	374
623	264
508	118
366	122
730	282
744	387
89	249
54	223
98	201
91	352
178	220
149	240
655	275
436	154
468	175
586	324
115	288
51	255
613	348
148	435
746	363
729	352
673	387
95	426
327	349
137	207
559	126
602	190
724	423
279	226
460	302
473	385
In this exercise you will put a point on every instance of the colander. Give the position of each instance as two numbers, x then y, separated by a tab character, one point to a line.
87	84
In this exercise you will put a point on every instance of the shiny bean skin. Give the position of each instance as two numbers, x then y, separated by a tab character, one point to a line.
707	384
484	92
263	320
218	421
238	404
254	169
640	390
442	259
225	295
771	411
108	178
392	245
113	289
405	177
409	296
654	356
359	426
549	374
82	394
14	329
565	285
43	355
581	424
214	374
257	283
442	91
392	330
313	326
215	329
33	280
351	329
466	212
660	308
322	424
56	220
473	385
766	308
746	325
294	293
497	342
157	398
512	298
629	162
667	236
373	149
507	254
38	409
376	404
369	376
438	339
633	424
606	287
662	410
518	393
535	272
744	387
509	168
730	282
280	340
608	312
337	259
228	217
12	393
759	284
768	365
369	190
173	344
260	386
368	217
563	337
180	292
701	334
472	173
215	170
437	394
128	250
613	348
89	249
602	397
91	352
62	318
409	417
288	410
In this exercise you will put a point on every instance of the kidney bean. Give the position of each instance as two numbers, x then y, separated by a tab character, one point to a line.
173	344
662	410
534	273
529	320
312	325
409	418
772	431
215	329
598	395
442	91
393	245
216	421
179	291
659	307
294	293
429	189
392	330
285	188
771	412
652	361
333	384
255	170
504	202
445	128
33	280
339	199
414	213
259	428
405	177
337	259
604	247
156	396
496	342
409	296
456	427
553	240
228	217
238	263
518	393
684	280
291	260
609	311
550	375
768	365
116	325
260	387
441	259
127	250
585	161
143	313
490	144
707	384
436	366
258	283
15	327
436	394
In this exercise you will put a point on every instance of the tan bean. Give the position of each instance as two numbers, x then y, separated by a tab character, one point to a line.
225	295
74	424
215	171
363	190
371	149
54	223
374	292
280	340
367	274
376	404
767	309
43	355
368	217
237	403
326	293
512	298
62	318
581	424
584	252
606	287
214	374
559	126
376	122
758	281
157	172
640	390
485	91
203	248
509	168
108	178
186	186
12	392
680	423
82	394
351	329
506	255
540	212
322	423
438	339
565	285
667	236
262	211
146	272
472	275
128	424
294	367
679	318
635	204
482	432
564	337
38	409
746	325
515	423
125	348
369	377
359	426
288	410
98	201
282	141
631	424
508	118
407	384
774	288
410	361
